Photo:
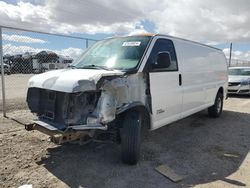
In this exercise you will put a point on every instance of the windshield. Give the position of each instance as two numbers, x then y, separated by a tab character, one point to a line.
239	72
116	53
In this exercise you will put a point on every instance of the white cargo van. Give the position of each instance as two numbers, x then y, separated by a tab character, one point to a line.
122	85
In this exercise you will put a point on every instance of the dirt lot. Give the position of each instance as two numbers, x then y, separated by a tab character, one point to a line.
16	90
208	152
16	85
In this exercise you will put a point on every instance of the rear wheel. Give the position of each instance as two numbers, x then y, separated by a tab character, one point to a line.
131	137
216	110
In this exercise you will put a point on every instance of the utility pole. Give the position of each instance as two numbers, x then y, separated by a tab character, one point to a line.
230	55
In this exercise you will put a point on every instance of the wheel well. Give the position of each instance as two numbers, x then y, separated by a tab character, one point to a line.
221	90
145	115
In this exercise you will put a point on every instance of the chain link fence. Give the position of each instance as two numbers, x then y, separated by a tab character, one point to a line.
25	53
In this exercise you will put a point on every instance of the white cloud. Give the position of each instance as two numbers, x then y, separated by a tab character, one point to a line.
71	52
237	54
13	50
208	21
21	38
67	17
138	31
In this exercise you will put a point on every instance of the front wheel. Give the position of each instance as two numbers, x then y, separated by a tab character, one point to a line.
131	137
216	110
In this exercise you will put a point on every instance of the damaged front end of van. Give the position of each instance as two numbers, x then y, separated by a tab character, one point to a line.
74	103
101	96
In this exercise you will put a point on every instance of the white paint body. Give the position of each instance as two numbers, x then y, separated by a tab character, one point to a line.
203	70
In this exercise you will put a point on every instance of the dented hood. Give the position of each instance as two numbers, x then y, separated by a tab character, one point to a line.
70	80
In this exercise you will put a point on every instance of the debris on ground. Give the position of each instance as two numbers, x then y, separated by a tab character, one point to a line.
231	155
25	186
169	173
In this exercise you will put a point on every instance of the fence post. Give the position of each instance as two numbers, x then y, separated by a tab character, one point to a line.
230	55
87	43
2	72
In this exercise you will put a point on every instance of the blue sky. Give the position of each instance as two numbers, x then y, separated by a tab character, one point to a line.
209	21
54	42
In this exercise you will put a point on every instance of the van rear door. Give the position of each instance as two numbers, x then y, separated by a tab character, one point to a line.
165	85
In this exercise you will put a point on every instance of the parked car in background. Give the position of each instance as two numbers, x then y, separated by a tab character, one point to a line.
6	68
239	80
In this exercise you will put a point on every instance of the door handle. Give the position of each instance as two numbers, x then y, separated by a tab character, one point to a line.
180	80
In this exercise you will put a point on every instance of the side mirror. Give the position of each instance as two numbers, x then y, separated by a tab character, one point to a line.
163	60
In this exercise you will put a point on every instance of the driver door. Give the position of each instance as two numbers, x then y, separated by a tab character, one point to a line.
165	85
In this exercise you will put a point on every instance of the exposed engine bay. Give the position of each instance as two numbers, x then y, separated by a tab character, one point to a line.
87	110
62	108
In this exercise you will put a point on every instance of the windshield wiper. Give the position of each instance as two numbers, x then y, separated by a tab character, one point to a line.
95	67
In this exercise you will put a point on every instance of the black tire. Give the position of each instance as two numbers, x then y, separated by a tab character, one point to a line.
216	110
130	138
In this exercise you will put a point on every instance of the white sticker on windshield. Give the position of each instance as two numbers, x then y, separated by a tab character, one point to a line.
132	43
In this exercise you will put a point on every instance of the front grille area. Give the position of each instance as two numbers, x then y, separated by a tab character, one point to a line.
232	91
47	104
62	108
233	83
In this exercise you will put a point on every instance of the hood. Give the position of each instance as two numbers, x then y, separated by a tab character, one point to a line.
235	78
70	80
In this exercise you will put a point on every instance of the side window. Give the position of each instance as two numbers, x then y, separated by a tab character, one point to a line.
163	45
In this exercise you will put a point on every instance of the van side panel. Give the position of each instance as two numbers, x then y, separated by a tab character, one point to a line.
218	76
203	72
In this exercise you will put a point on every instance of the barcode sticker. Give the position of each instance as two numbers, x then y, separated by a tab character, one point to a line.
132	43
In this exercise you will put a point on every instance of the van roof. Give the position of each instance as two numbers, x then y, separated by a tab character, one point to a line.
189	41
154	34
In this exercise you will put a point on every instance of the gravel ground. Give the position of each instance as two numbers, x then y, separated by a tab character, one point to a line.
16	85
15	91
208	152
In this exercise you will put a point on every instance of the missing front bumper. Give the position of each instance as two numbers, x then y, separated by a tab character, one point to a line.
72	133
49	129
